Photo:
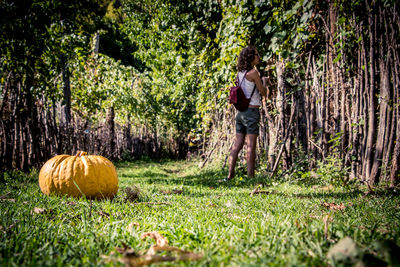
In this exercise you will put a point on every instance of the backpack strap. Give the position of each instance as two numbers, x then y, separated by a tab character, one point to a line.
254	88
244	76
237	79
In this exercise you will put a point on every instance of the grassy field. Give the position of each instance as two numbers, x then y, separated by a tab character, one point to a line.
289	222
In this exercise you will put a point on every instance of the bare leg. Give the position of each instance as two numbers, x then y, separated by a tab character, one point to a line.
239	142
251	154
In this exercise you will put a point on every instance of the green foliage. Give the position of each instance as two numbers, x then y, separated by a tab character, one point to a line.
99	83
38	35
332	171
161	36
17	178
286	28
166	65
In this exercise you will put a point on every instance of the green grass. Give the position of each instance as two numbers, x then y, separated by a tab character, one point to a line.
221	221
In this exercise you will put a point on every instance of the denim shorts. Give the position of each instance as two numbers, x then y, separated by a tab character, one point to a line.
247	122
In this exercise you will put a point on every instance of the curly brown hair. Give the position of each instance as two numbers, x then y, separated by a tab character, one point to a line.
246	56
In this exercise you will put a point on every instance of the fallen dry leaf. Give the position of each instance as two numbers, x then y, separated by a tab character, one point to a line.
8	199
38	210
132	193
257	191
160	240
324	188
131	258
151	203
327	188
333	206
5	196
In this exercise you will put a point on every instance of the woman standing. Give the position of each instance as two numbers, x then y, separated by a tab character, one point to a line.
247	122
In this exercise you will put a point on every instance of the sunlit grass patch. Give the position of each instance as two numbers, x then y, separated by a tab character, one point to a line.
290	223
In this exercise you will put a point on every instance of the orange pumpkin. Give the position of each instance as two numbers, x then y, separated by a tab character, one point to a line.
92	176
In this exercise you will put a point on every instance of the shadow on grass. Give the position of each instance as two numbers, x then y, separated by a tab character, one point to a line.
149	175
310	181
210	179
323	195
206	178
163	175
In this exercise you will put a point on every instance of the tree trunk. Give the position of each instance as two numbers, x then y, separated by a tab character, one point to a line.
384	127
395	169
17	124
280	104
332	69
67	91
111	131
371	99
301	124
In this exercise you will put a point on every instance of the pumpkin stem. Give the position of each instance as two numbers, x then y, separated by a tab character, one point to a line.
81	153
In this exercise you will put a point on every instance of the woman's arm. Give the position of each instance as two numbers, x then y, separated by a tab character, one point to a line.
254	77
265	81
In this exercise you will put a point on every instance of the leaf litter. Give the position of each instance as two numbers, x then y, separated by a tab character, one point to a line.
132	258
132	194
334	206
6	197
259	192
37	210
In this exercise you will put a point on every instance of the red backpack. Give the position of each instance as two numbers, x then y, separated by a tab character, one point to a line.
237	96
